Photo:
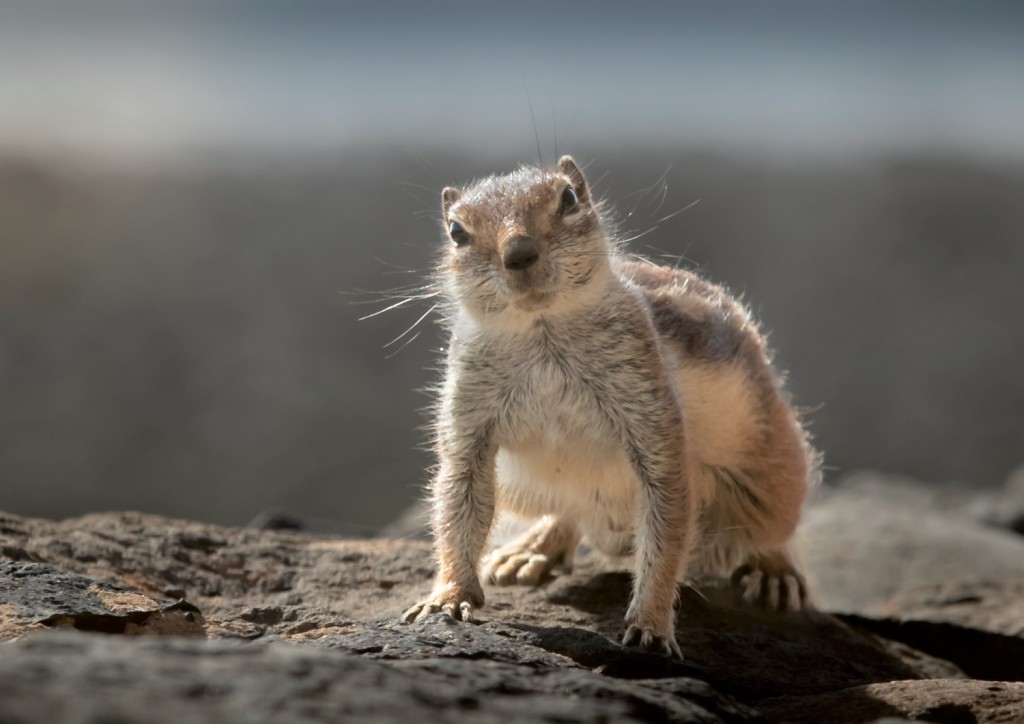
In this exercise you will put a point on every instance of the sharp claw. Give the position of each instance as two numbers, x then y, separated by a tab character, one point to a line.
740	573
462	611
426	611
777	587
674	650
792	601
771	594
646	640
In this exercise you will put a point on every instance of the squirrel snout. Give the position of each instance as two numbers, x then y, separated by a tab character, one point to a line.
520	253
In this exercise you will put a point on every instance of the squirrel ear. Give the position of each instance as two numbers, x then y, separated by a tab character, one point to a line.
448	197
568	166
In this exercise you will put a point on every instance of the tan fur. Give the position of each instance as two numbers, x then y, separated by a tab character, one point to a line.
613	399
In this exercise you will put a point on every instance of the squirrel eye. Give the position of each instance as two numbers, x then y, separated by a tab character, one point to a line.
459	235
569	202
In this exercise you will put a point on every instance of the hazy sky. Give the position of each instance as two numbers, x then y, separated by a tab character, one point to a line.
151	79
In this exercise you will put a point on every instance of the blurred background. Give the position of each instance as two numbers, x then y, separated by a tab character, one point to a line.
199	200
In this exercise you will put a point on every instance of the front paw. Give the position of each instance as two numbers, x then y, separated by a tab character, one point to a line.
456	601
650	638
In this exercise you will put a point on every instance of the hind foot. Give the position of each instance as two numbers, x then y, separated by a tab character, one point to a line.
549	544
771	582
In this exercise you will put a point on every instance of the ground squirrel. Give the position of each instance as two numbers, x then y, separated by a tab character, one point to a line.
626	404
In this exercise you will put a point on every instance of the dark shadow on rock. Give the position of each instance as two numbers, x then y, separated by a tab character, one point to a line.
596	652
729	643
601	593
855	707
949	714
980	654
442	645
960	701
753	653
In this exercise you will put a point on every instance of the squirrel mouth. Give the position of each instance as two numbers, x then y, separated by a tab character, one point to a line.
533	300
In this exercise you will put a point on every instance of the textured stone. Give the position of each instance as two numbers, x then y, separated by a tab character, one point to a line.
87	678
935	700
304	627
34	595
994	605
870	539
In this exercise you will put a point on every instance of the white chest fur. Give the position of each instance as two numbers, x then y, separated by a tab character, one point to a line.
560	455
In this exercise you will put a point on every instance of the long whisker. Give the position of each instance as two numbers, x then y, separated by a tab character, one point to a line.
388	295
660	181
533	119
386	263
639	235
565	134
676	213
554	130
695	590
413	326
407	342
399	304
425	166
410	184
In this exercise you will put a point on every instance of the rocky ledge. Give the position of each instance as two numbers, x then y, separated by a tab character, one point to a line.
130	617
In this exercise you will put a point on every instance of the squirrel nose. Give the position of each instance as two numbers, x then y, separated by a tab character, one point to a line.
520	253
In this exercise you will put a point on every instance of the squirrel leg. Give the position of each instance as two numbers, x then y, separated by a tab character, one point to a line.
664	533
463	511
749	530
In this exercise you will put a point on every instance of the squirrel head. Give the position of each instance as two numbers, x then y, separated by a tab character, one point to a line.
528	242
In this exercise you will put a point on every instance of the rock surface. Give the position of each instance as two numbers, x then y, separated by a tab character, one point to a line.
36	596
871	540
234	624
